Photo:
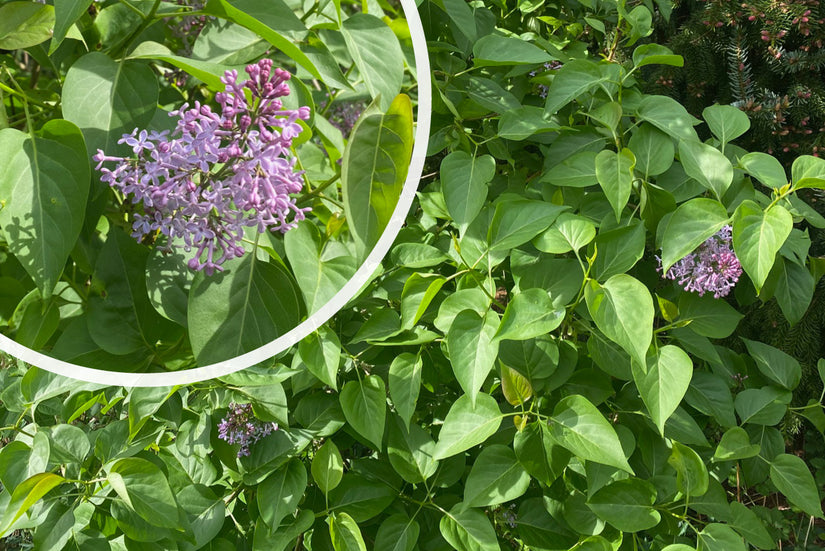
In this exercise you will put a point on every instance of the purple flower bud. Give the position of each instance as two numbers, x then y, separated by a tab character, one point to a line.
241	427
712	267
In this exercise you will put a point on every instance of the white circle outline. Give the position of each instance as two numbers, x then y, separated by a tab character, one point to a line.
323	314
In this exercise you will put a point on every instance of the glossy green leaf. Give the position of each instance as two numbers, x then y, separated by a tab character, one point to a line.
377	55
808	171
26	494
573	80
320	352
327	467
247	305
656	54
720	537
468	530
757	237
707	165
690	226
626	504
580	427
65	15
774	364
280	493
708	316
144	488
397	533
578	170
345	533
618	249
419	291
464	182
540	455
529	314
764	168
473	349
496	477
44	186
518	221
365	406
467	425
130	90
726	122
375	166
614	172
669	116
515	386
25	24
735	444
405	384
663	382
623	310
652	148
691	473
791	476
568	233
410	450
495	50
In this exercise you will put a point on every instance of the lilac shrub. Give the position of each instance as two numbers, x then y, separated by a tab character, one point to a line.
713	267
216	173
241	427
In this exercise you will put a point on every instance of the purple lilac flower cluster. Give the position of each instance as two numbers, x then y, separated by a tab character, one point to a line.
549	66
344	114
713	267
216	173
241	427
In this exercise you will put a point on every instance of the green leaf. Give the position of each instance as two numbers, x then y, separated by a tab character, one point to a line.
467	425
318	275
496	50
525	121
365	406
669	116
623	310
44	185
464	182
144	488
577	425
374	168
397	533
663	382
720	537
144	402
656	54
515	386
416	255
279	494
474	299
791	476
726	122
618	249
25	24
709	394
529	314
243	14
626	504
496	477
468	530
472	349
794	289
65	15
244	307
774	364
121	317
419	291
751	526
690	226
489	94
377	55
361	498
707	165
517	221
107	99
405	384
709	317
345	534
410	450
320	352
327	467
764	168
735	444
808	171
577	170
757	237
762	406
652	148
209	73
691	473
541	456
573	80
26	494
568	233
614	171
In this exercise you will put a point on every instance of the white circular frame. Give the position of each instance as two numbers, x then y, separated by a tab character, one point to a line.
318	318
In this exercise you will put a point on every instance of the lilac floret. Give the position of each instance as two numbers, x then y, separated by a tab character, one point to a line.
217	173
241	427
713	267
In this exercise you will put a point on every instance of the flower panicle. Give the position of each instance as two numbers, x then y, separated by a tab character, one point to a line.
713	267
241	427
216	172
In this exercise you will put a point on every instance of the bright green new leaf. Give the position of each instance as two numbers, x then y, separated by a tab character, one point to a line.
515	386
25	24
495	50
345	533
473	348
468	530
735	444
419	291
764	168
405	384
529	314
656	54
327	466
568	233
808	171
691	473
467	425
26	494
726	122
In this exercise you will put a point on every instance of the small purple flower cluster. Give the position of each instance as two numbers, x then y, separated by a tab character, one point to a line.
344	114
218	173
549	66
713	267
241	427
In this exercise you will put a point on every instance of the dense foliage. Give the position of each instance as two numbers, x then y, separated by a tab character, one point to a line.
521	373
